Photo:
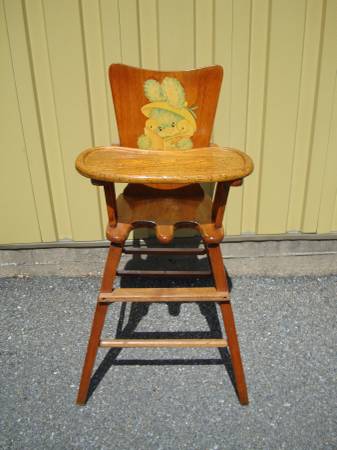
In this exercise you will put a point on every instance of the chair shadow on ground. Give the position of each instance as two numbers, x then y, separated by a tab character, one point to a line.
139	310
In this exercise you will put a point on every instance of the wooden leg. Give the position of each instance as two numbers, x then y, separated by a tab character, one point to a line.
221	283
98	322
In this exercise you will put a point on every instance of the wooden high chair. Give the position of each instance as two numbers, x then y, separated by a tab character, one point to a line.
165	122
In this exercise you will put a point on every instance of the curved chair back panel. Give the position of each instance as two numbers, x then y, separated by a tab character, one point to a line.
165	110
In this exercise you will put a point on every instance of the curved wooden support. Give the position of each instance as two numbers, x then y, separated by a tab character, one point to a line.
238	182
164	233
119	233
210	233
188	207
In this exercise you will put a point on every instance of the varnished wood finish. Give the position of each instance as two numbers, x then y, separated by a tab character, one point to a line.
221	283
200	294
109	274
164	193
157	343
165	211
198	165
110	198
202	87
219	203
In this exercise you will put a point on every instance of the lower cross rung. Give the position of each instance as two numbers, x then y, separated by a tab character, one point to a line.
163	250
198	294
165	273
169	343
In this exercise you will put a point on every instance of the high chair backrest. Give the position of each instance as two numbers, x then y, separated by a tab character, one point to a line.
165	110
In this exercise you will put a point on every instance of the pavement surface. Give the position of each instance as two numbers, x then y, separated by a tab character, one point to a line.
169	398
267	258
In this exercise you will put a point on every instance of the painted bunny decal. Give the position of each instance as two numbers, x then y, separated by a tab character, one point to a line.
171	123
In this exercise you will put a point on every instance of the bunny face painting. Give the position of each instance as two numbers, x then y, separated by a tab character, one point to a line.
171	123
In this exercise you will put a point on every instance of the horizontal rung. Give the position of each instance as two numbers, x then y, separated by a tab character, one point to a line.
170	343
165	273
201	294
164	250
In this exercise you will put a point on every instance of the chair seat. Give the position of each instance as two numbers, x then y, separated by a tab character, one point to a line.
144	206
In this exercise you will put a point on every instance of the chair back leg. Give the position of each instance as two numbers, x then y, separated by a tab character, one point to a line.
221	283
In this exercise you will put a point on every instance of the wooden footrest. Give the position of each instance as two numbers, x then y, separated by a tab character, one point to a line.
169	343
201	294
164	251
165	273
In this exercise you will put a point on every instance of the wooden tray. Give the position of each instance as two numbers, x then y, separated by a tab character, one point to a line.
130	165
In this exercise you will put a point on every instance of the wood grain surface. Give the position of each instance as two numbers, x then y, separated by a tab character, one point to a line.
129	165
204	294
168	343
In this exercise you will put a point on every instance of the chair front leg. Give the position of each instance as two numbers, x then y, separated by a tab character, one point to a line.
109	274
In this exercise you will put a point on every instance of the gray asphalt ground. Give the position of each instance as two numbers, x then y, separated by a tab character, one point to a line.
169	398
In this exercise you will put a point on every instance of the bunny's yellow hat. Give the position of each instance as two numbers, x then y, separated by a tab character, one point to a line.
183	112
